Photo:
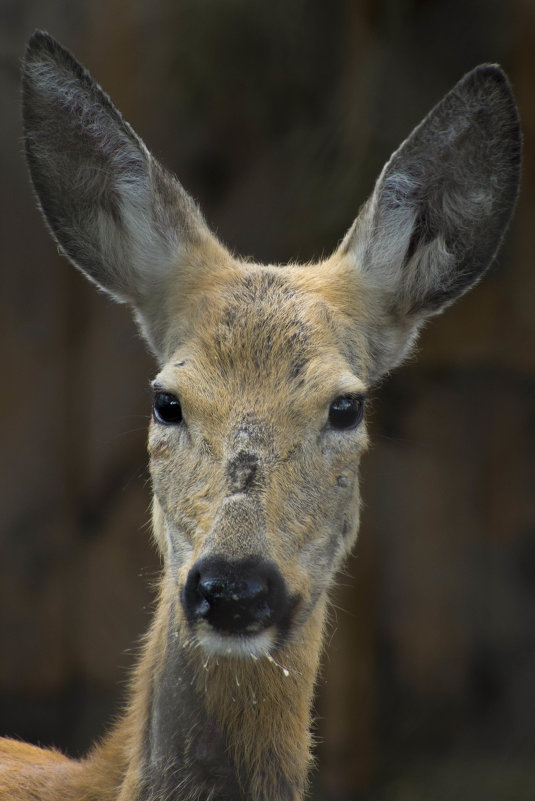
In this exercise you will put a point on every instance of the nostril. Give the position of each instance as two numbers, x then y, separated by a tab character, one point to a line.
235	597
210	588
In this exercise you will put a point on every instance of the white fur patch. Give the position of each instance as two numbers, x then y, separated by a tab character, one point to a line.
241	647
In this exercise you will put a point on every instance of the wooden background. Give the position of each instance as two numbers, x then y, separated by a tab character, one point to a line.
277	115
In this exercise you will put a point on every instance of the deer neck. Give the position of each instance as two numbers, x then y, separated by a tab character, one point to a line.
225	729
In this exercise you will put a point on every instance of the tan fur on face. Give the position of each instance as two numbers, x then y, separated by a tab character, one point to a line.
264	355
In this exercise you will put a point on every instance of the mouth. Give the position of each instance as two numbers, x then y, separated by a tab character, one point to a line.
238	646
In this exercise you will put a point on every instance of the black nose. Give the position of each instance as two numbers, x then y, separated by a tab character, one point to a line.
235	597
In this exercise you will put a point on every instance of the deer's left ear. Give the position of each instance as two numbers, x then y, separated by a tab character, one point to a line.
439	209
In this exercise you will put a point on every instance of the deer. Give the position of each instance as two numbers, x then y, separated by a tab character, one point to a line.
258	419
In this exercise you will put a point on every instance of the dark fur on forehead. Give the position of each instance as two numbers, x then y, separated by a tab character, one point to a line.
262	325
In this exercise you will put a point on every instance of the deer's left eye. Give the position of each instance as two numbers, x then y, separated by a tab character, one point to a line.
166	409
346	412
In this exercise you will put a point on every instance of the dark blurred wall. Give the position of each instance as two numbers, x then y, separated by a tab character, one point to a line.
277	116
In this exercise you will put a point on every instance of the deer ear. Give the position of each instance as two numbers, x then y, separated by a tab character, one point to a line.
117	215
439	209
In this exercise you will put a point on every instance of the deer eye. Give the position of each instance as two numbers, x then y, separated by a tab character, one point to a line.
166	409
346	412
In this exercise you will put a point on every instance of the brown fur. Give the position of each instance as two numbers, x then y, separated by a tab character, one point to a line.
258	356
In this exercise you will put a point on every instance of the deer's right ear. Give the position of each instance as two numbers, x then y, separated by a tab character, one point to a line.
118	216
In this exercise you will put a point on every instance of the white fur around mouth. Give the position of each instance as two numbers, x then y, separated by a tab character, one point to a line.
250	646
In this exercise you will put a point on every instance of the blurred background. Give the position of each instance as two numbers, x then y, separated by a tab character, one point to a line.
277	115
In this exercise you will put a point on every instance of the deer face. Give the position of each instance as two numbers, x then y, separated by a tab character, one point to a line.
255	443
257	428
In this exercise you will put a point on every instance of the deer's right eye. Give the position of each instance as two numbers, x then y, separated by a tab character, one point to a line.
166	409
